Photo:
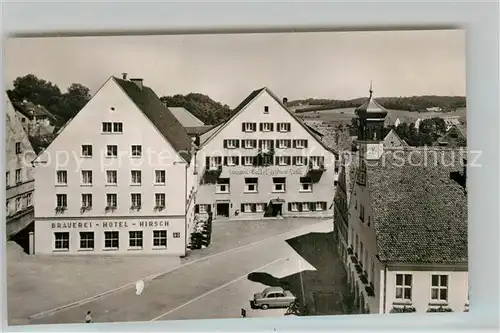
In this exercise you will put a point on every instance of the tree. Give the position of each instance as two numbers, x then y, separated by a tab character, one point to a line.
37	91
74	100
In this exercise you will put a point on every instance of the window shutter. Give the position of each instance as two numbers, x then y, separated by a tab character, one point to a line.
299	206
242	208
196	209
288	143
209	208
237	143
288	160
243	127
243	144
271	144
225	143
207	161
254	126
260	144
305	143
271	127
294	143
261	126
225	160
305	160
289	206
254	145
294	160
277	160
323	205
288	127
237	162
277	143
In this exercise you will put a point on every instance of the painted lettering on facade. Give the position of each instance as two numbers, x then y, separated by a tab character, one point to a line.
109	224
268	171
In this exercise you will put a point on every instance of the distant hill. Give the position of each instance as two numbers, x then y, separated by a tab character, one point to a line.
201	106
413	103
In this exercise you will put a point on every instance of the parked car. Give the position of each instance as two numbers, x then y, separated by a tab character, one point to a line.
273	297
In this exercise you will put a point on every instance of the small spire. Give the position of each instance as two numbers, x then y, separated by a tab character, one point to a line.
371	90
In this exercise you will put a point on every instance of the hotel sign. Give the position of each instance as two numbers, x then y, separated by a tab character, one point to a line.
267	171
110	224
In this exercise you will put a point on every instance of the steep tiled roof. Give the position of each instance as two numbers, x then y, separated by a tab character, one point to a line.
168	125
419	212
251	97
186	118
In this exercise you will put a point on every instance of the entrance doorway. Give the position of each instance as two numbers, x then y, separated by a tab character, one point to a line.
276	209
222	209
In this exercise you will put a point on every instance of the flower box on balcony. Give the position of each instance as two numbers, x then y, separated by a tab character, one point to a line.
403	309
158	208
85	209
439	309
109	209
61	209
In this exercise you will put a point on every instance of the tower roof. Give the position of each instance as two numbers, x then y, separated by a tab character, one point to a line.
371	107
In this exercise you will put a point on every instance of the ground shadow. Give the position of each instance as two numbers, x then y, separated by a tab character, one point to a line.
22	238
319	292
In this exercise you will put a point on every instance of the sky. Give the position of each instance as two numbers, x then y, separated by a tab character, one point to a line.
227	67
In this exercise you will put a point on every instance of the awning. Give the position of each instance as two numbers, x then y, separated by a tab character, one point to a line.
277	201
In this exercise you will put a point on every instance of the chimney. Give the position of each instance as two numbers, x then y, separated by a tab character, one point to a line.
124	76
285	100
138	82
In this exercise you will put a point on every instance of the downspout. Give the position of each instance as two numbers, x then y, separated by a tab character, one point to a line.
385	288
185	209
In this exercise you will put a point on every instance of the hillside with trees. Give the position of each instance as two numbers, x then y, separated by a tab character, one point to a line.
201	106
412	103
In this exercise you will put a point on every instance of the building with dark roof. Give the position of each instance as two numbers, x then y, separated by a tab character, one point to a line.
406	226
263	162
118	178
193	126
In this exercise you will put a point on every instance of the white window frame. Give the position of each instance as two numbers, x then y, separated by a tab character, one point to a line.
282	127
110	202
29	200
61	242
117	127
245	206
215	162
249	127
266	127
282	160
61	177
19	177
110	174
110	151
401	288
136	151
160	200
259	207
87	177
231	160
266	145
159	174
248	144
294	207
87	241
111	239
231	143
222	188
87	150
319	206
135	177
306	207
303	185
300	144
64	200
440	287
160	237
248	160
86	202
283	187
135	200
7	179
255	190
19	205
136	236
282	144
107	127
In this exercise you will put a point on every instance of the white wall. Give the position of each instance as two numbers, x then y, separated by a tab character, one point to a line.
254	112
64	154
421	289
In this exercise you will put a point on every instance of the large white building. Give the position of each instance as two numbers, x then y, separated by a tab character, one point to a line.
118	178
406	244
264	162
19	180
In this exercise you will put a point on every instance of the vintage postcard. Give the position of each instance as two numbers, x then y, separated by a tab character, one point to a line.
219	176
